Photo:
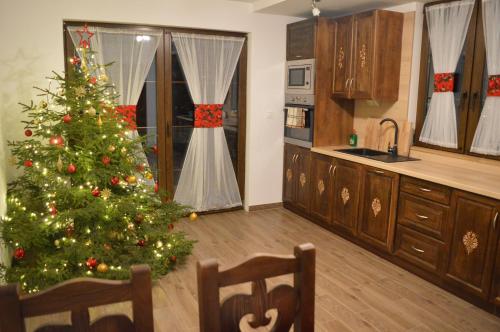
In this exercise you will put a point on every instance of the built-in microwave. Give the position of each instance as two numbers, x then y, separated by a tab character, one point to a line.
300	77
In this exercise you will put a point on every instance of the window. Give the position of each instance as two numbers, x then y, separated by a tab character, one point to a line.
471	81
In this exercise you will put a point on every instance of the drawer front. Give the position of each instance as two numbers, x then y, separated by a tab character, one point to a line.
418	249
428	190
422	214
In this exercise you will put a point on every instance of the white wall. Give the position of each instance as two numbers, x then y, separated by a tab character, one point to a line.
32	46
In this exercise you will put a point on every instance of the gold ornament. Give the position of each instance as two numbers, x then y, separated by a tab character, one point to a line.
59	164
99	121
111	148
91	111
80	91
105	193
132	179
159	244
149	176
193	216
102	268
103	77
131	226
43	104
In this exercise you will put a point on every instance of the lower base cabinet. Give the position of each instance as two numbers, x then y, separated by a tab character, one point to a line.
377	220
447	236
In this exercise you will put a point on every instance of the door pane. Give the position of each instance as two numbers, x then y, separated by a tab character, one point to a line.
231	119
146	118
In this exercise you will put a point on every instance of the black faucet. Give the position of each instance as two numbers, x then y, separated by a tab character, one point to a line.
394	149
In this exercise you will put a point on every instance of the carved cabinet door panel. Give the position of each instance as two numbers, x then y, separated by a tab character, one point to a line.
362	55
289	174
302	164
495	292
346	190
377	222
473	241
342	57
321	186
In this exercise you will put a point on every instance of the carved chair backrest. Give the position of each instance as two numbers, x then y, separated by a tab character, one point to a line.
294	305
76	296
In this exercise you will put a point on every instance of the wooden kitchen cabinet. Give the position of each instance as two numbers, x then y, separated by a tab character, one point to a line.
495	291
300	40
321	189
378	208
473	243
346	193
367	56
296	177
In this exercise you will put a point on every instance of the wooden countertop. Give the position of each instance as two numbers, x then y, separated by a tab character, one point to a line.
476	177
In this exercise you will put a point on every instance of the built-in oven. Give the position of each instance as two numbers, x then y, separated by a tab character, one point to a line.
299	124
300	77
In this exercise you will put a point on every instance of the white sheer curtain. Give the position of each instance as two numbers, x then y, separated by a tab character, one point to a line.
207	180
4	255
487	136
447	24
132	52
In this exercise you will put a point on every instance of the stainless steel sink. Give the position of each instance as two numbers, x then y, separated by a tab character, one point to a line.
376	155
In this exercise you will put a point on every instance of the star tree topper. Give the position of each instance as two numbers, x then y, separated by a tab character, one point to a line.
85	36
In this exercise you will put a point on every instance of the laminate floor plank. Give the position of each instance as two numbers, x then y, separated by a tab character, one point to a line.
356	291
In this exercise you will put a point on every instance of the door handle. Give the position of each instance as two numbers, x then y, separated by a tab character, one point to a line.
425	190
417	249
495	219
421	216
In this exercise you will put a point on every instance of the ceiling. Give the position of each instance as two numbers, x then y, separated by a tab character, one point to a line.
302	8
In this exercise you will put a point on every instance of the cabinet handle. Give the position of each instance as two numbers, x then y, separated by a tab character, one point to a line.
346	82
425	190
495	221
350	85
298	56
330	169
418	250
293	158
333	172
379	172
421	216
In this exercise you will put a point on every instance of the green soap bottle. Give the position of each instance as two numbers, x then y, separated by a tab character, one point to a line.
353	139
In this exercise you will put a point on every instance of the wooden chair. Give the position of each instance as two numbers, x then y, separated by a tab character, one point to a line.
77	296
295	305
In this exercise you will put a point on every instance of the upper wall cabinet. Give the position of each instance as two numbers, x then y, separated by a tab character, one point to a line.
367	56
300	40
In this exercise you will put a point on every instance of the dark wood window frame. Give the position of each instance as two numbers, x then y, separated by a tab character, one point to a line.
470	102
164	94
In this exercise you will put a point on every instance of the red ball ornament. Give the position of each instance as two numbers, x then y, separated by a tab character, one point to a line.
155	149
93	80
28	132
105	160
96	192
28	163
75	60
70	230
115	180
57	141
170	227
173	259
67	118
141	243
157	187
19	253
53	210
91	262
71	169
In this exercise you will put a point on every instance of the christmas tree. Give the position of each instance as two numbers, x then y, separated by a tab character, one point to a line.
82	206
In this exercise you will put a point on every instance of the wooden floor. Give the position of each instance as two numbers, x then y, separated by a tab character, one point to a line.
355	289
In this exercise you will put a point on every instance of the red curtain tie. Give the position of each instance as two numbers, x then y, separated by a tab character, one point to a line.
444	82
493	86
208	115
129	115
